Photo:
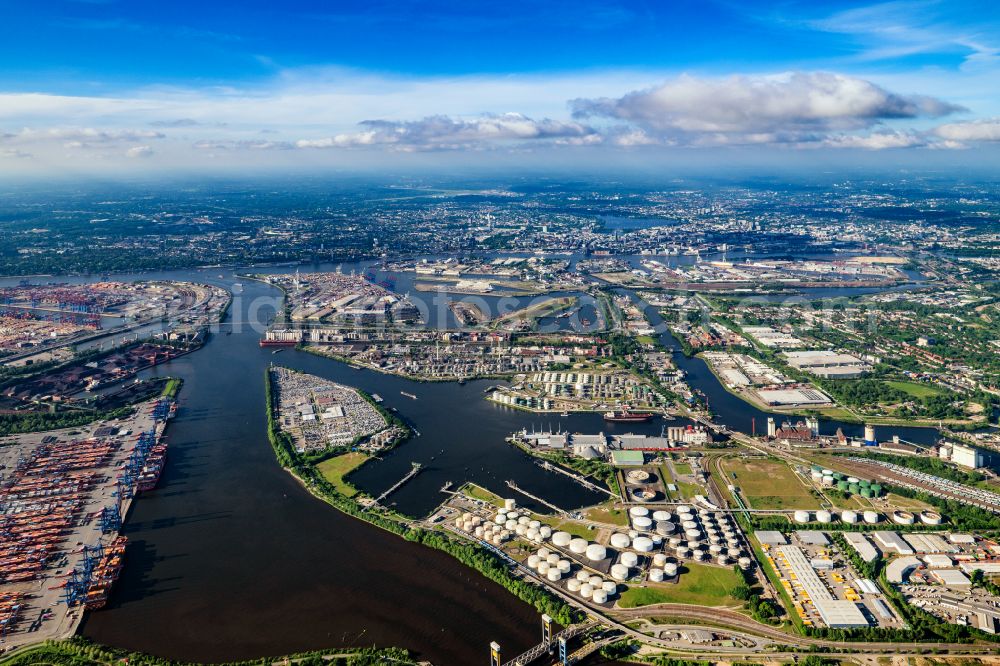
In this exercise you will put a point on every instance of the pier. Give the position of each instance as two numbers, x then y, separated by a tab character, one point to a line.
549	467
513	486
399	484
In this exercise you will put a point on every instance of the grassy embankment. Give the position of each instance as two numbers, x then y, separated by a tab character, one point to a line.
81	652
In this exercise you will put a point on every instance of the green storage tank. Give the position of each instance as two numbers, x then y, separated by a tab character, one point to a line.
865	484
876	490
817	468
842	485
867	492
853	487
839	476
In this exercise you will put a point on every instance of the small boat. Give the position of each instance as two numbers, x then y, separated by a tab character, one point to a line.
408	395
277	351
564	413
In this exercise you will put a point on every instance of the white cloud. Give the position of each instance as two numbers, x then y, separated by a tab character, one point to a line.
139	151
876	141
749	109
447	133
985	129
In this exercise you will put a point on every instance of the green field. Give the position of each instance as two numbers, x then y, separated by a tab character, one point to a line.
699	585
480	493
606	513
769	484
915	389
335	469
682	468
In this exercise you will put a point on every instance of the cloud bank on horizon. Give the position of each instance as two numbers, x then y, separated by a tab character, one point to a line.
880	77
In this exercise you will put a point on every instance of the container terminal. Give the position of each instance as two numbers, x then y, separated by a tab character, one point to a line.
63	497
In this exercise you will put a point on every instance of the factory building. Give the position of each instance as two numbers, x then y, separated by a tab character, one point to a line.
962	455
835	613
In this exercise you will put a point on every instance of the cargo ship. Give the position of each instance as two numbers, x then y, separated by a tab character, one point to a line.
105	574
151	471
626	416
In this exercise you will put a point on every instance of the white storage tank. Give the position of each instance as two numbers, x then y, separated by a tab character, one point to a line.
544	553
562	539
582	576
510	525
642	522
480	532
533	535
609	586
692	535
629	559
715	549
669	569
578	546
553	574
564	566
619	572
734	552
930	518
510	504
543	567
638	511
595	581
661	515
689	524
802	516
902	517
521	530
545	531
643	544
533	561
849	517
871	517
600	597
523	520
501	518
535	524
745	563
683	552
665	528
656	575
574	585
552	559
620	540
659	560
824	516
676	541
586	590
596	552
722	560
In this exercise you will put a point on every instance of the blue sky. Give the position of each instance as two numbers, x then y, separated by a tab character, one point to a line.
88	84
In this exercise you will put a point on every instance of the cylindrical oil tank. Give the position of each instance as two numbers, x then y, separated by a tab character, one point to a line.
544	553
802	516
689	524
849	517
595	581
479	531
629	559
545	531
586	590
675	541
643	544
619	572
600	597
543	567
733	552
552	558
578	546
877	489
534	524
501	518
619	540
523	520
510	504
564	566
553	574
659	560
871	517
521	530
665	528
853	479
661	515
669	569
745	563
715	549
656	575
692	534
824	516
683	551
609	586
902	517
582	576
637	511
714	540
722	560
574	585
596	552
700	555
683	508
510	524
930	518
561	539
533	535
692	544
642	522
533	561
